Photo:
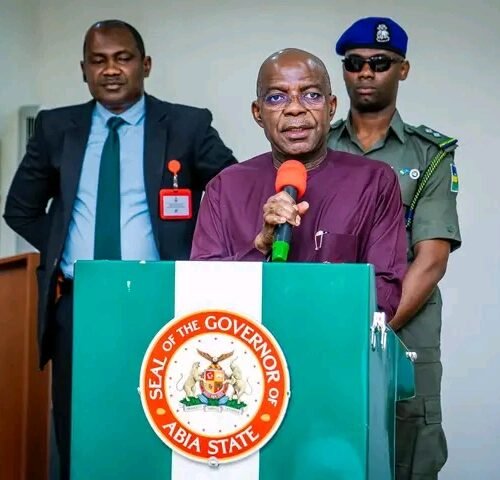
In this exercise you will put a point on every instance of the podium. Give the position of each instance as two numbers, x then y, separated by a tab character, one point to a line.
346	369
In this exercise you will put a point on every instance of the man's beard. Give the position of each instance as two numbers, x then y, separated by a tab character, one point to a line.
369	107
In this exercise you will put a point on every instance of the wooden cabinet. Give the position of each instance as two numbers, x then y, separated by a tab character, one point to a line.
24	389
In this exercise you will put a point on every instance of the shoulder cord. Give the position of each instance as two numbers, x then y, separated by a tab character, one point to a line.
428	172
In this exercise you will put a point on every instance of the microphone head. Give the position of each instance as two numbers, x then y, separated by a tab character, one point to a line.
292	173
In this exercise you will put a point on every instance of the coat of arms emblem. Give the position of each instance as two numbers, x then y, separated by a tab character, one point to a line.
383	35
214	386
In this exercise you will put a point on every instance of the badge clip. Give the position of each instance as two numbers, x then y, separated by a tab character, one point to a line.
174	167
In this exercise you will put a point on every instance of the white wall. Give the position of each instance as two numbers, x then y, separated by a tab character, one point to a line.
207	52
18	54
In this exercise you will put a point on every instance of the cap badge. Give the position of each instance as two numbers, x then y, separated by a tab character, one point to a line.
382	34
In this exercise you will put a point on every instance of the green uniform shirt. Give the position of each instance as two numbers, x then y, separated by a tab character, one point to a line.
409	150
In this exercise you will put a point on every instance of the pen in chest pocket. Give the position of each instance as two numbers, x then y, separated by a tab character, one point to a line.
318	239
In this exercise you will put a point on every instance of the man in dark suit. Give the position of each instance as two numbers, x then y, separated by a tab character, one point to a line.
103	164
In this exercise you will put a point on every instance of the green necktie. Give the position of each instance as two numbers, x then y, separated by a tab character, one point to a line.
107	238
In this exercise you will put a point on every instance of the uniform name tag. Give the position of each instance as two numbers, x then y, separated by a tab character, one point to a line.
175	204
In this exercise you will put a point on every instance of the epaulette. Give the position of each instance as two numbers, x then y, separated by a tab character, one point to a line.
444	142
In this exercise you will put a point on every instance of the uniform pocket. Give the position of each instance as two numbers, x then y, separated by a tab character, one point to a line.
421	447
432	450
432	411
408	187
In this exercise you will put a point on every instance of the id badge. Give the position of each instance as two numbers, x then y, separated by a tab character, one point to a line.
175	204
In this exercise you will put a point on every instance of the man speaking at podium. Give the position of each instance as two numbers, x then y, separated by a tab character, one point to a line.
351	211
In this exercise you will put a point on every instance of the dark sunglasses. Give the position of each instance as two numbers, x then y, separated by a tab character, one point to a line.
377	63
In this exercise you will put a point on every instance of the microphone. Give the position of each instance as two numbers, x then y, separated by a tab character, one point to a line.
291	178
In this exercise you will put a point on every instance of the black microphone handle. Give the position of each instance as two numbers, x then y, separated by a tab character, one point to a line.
283	231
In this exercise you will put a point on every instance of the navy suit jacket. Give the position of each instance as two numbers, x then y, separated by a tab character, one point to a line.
51	167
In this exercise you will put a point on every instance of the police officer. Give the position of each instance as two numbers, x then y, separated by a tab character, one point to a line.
374	51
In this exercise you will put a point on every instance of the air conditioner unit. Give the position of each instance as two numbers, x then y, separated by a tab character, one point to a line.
26	128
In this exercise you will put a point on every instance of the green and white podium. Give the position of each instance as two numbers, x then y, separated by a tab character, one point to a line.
346	369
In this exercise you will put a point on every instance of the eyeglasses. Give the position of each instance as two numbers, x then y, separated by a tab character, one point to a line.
377	63
279	100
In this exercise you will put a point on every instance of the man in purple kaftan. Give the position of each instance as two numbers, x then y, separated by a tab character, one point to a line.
351	211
